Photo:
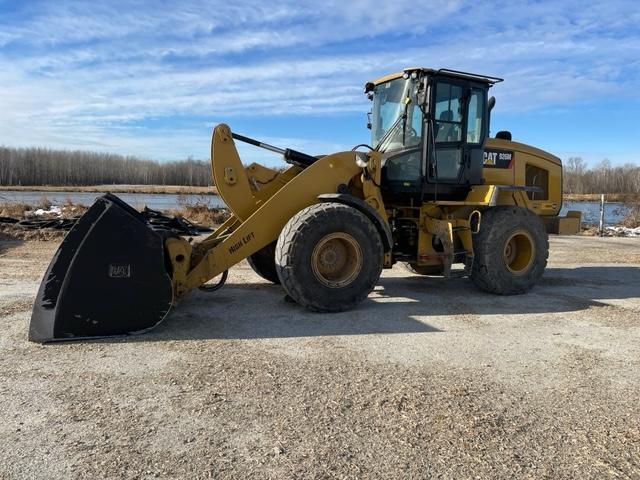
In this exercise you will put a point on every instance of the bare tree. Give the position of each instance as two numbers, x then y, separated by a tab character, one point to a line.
38	166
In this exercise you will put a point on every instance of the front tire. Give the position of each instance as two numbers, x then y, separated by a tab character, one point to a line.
329	257
510	251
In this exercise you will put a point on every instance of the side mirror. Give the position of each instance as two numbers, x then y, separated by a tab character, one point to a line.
369	120
491	104
423	97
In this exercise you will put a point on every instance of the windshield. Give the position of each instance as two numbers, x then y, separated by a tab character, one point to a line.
389	103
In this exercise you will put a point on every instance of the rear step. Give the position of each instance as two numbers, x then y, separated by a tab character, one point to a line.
468	262
107	278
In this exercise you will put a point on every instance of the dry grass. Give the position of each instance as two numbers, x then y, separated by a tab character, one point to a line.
22	211
14	210
595	197
199	210
202	214
44	203
177	189
632	219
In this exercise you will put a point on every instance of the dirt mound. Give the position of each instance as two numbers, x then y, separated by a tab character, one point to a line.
14	232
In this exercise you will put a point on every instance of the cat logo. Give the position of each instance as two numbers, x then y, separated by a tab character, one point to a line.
497	159
490	158
119	271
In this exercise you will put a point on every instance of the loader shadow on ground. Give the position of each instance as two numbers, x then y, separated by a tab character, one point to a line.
398	305
202	316
589	284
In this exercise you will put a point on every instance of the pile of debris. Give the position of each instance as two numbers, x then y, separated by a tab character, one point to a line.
54	219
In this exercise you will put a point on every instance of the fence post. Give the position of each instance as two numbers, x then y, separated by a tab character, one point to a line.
601	229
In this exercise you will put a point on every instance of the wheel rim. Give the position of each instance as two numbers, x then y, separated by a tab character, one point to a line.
336	260
519	252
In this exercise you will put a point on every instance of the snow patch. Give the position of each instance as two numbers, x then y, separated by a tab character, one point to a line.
53	210
623	231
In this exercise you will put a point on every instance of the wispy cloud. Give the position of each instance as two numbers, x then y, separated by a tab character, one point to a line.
87	75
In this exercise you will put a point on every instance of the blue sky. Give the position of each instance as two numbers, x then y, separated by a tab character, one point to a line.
152	78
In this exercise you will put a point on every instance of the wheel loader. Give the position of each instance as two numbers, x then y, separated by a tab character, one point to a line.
433	191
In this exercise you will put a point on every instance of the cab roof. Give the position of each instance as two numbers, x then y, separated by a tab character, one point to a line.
432	71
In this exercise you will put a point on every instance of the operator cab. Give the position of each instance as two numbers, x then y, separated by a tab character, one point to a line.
430	126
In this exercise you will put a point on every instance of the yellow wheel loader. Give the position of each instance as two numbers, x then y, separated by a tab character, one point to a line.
433	191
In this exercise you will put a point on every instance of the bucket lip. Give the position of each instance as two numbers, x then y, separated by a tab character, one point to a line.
119	336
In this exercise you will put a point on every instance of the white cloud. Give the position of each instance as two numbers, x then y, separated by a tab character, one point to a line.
83	74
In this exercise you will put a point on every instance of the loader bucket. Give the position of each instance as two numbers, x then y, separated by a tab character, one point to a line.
108	277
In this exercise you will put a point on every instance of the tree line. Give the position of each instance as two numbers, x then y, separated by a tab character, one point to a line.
42	166
602	178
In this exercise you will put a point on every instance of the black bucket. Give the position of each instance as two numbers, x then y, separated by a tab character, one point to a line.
107	278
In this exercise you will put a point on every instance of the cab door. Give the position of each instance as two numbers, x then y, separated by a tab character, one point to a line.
458	133
476	131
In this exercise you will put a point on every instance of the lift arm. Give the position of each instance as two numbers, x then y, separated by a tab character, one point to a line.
260	213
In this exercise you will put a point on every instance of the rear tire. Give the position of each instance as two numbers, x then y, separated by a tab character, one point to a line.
329	257
510	251
263	262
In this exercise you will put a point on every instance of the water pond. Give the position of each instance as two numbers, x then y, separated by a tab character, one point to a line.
614	211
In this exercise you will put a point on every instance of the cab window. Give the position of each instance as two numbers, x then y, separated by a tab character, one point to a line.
413	134
448	113
474	115
404	167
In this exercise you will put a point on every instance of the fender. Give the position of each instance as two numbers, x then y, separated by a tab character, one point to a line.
367	210
219	252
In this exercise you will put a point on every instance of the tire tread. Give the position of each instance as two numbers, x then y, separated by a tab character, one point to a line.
295	232
486	274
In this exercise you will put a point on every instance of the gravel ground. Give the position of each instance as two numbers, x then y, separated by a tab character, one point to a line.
426	379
